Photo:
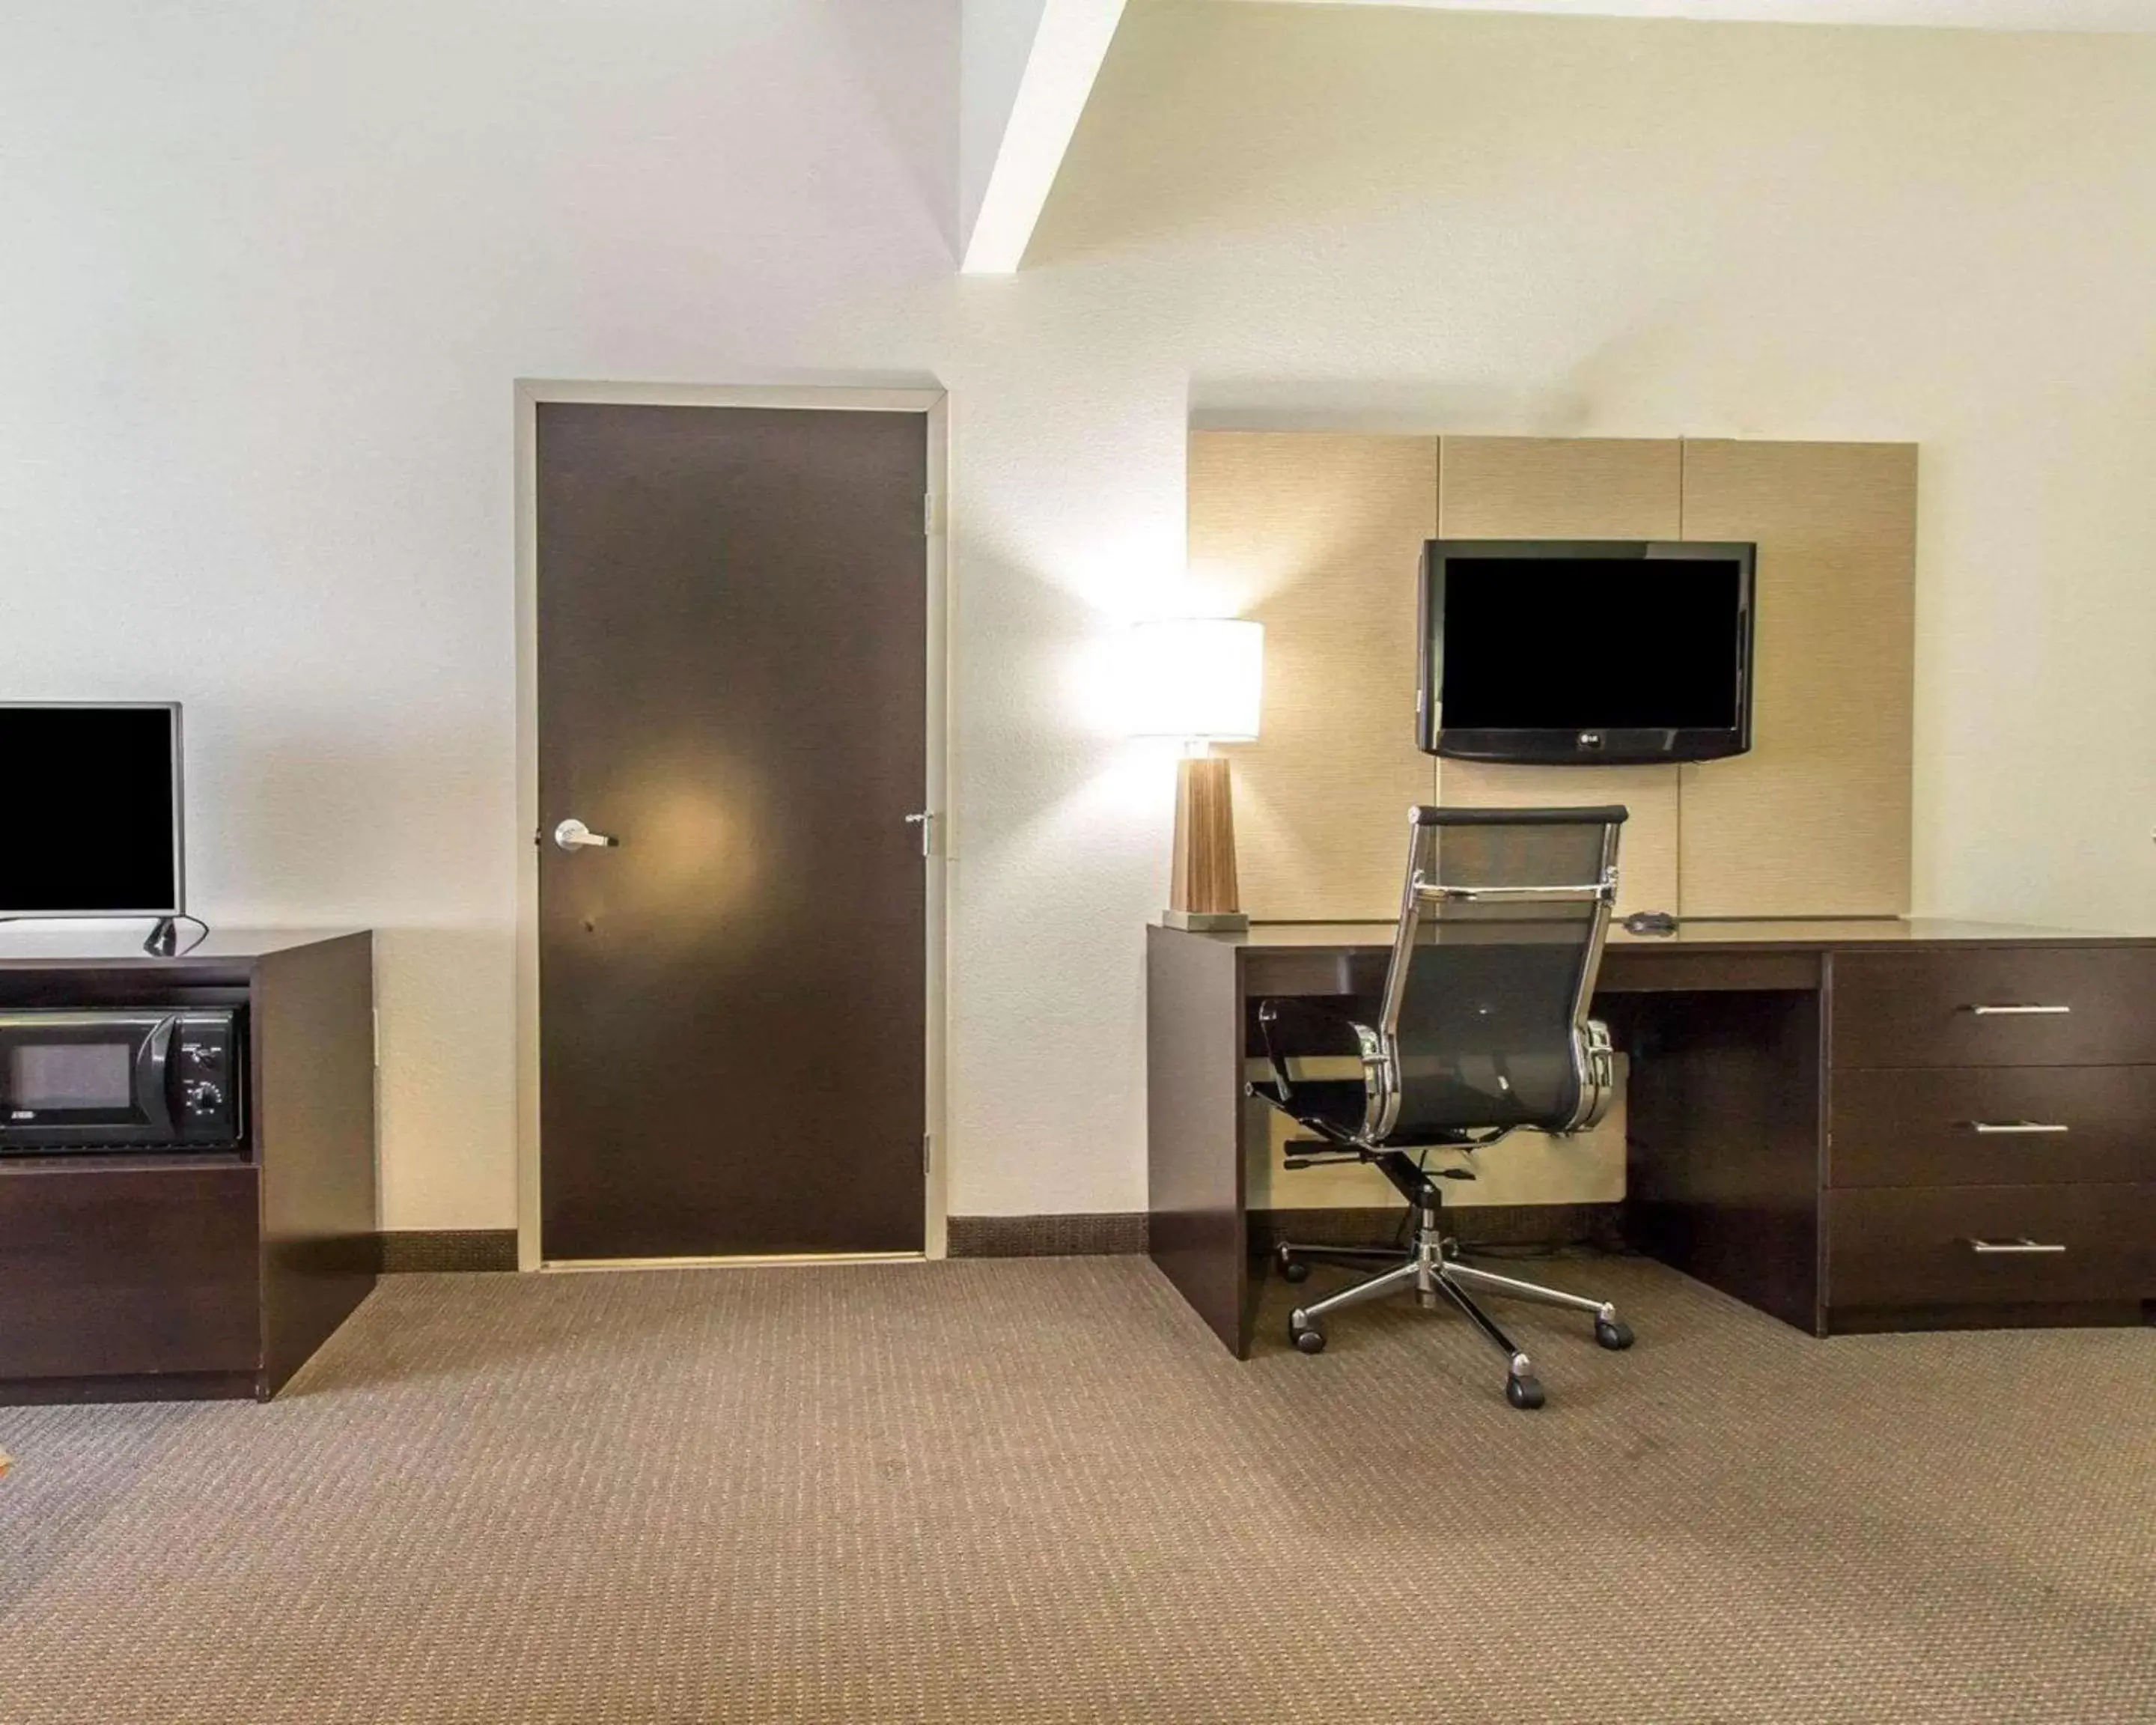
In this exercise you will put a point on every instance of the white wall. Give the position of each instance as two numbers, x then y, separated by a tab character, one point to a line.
268	271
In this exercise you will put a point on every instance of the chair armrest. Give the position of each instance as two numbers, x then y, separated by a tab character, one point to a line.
1598	1076
1295	1029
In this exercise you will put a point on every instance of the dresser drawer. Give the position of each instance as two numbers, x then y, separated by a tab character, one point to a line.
1993	1126
109	1271
1995	1006
1914	1245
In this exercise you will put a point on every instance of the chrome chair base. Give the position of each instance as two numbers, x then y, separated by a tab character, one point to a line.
1432	1269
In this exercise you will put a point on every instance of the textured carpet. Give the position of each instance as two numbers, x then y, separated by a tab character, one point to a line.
1036	1490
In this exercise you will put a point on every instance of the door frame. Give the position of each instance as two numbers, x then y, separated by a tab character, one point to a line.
933	404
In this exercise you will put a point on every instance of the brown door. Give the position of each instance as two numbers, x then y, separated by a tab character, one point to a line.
732	656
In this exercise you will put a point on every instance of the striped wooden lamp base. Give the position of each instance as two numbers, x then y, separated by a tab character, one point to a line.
1202	892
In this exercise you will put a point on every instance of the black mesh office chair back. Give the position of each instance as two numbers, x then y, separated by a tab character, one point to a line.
1482	1027
1491	1026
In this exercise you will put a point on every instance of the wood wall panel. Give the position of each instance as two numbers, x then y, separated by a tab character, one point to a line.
1647	850
1560	488
1814	821
1571	488
1318	537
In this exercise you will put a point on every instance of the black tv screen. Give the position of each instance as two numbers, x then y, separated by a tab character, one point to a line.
1580	652
93	800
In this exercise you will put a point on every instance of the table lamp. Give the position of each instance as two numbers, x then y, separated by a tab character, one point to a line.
1201	679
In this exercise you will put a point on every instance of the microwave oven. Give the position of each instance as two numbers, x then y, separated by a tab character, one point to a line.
140	1078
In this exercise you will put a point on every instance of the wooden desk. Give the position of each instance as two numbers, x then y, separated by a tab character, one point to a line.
1803	1109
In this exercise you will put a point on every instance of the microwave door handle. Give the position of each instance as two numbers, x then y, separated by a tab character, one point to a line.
153	1075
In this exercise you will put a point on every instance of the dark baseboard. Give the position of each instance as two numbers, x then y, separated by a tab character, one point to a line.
414	1250
1492	1224
152	1386
1046	1236
408	1250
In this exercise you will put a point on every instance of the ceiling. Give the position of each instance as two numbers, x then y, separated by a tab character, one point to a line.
2100	15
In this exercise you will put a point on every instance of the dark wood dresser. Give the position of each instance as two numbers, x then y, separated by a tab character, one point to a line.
201	1274
1904	1125
1991	1137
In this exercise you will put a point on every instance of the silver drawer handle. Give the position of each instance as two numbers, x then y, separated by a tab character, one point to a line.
1995	1127
2011	1248
2019	1012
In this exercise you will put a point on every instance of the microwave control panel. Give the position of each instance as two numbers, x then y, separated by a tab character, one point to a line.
204	1078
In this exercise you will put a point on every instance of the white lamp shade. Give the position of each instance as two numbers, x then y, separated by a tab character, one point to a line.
1198	677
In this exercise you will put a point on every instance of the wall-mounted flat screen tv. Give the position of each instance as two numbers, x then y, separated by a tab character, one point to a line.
93	800
1585	652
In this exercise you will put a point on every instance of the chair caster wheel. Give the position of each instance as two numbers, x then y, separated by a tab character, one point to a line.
1292	1268
1524	1391
1308	1337
1613	1335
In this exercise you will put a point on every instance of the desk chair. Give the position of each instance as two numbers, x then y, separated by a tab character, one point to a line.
1482	1028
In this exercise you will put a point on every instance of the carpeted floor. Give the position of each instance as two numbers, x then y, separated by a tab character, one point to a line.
1036	1490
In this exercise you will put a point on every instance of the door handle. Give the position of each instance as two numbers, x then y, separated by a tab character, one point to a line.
926	820
573	834
2019	1011
2012	1248
1994	1126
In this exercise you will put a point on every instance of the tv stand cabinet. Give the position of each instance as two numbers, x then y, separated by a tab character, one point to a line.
141	1276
